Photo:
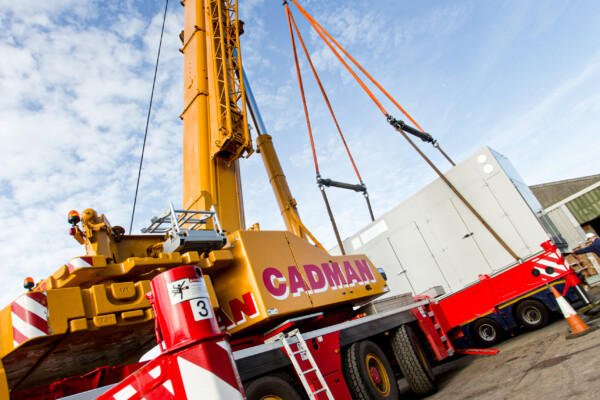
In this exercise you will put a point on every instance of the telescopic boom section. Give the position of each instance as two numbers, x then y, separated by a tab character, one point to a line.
287	203
215	128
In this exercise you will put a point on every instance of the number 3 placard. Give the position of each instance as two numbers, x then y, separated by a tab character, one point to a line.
201	308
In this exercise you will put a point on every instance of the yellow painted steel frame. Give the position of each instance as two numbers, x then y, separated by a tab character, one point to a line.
88	311
285	200
227	64
100	238
215	131
274	275
4	393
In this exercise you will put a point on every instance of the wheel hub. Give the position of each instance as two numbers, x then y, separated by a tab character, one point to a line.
375	376
532	315
487	332
378	375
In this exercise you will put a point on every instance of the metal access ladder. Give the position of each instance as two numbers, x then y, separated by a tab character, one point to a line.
305	354
440	331
447	343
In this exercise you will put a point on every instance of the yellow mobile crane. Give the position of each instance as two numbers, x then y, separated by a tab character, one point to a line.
93	311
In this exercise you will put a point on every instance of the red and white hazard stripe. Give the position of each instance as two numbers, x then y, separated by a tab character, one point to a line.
208	374
145	384
201	372
162	392
29	317
550	260
80	262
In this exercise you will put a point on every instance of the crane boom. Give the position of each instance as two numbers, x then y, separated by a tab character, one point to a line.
68	323
283	195
215	126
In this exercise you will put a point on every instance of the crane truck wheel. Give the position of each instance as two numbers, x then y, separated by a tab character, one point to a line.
368	372
532	315
487	332
413	361
275	386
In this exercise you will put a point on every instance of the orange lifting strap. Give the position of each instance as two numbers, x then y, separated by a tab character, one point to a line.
361	187
398	125
395	123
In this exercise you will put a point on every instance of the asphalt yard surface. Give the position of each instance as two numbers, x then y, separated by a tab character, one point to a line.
534	365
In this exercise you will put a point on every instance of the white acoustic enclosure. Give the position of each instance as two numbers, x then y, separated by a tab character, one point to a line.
433	239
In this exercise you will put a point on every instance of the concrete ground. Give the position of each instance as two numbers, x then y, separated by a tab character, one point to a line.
534	365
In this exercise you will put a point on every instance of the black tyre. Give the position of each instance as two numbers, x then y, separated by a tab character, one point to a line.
413	361
532	315
368	372
276	386
486	332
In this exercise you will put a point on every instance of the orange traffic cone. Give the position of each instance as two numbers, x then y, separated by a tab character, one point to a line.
578	327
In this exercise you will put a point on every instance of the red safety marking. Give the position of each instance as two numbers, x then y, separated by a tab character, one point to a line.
29	317
80	262
550	259
41	287
214	357
39	297
18	336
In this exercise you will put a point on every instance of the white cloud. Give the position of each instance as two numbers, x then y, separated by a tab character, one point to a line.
72	125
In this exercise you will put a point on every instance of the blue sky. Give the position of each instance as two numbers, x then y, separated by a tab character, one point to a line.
520	76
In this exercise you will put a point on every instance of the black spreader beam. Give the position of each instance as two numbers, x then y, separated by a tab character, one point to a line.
331	183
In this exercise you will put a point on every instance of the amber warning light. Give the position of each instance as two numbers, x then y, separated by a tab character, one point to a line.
74	217
28	283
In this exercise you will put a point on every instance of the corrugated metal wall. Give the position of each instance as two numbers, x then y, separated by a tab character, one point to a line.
587	207
551	193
